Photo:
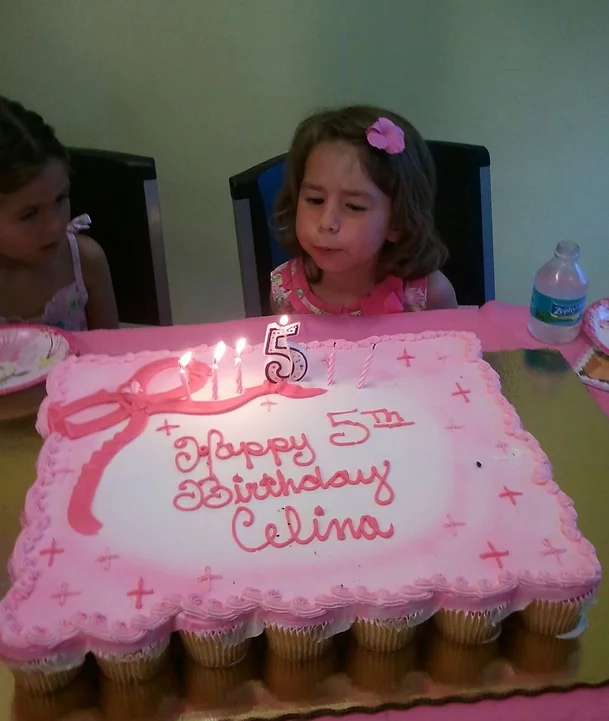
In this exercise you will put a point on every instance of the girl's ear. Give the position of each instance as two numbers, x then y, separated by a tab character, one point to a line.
393	235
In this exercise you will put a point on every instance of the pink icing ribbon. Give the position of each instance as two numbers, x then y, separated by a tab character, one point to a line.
136	405
385	135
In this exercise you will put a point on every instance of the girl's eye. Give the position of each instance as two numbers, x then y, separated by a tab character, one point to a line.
29	215
315	201
62	198
356	208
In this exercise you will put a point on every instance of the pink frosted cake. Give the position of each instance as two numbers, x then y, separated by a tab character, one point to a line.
299	510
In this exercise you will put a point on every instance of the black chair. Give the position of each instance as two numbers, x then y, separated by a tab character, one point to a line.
462	215
119	192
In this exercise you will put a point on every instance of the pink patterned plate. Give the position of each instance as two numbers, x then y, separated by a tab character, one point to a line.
27	354
596	323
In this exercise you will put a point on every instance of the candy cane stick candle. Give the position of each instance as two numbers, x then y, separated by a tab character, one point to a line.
219	352
183	364
238	365
331	366
366	368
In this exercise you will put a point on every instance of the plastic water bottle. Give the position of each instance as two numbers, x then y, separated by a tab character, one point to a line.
559	297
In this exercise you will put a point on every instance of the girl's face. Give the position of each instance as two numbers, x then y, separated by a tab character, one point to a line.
342	218
33	220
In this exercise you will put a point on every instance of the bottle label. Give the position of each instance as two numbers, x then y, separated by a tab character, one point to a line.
556	311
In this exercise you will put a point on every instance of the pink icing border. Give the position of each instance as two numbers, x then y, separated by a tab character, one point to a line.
47	329
256	608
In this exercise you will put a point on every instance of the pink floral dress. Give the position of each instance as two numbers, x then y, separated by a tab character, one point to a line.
66	309
291	292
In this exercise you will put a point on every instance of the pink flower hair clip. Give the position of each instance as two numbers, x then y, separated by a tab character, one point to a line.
386	135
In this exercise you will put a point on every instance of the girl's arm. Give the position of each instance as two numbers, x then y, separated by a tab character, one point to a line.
101	308
440	292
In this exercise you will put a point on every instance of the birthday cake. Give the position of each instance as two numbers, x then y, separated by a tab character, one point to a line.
393	484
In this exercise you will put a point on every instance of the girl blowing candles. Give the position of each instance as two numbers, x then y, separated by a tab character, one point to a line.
356	211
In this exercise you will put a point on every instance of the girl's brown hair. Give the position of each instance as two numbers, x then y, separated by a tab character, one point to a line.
27	144
407	178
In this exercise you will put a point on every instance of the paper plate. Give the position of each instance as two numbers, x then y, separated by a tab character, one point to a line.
27	354
596	323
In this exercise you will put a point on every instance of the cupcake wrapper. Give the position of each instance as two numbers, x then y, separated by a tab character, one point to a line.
553	619
296	680
462	627
377	671
458	664
137	667
382	637
297	644
212	651
38	682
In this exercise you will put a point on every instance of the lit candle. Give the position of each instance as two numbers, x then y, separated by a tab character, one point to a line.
238	367
366	368
183	363
219	352
331	366
279	365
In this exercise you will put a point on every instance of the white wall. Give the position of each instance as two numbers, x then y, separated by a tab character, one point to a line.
210	87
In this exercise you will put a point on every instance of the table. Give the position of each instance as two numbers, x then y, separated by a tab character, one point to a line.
501	327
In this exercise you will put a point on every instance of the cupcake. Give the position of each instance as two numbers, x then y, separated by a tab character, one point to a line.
134	666
215	649
554	618
47	676
298	680
469	627
78	695
458	664
297	644
209	688
384	636
141	700
537	654
377	671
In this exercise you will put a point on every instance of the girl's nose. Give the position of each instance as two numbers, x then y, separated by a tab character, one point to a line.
329	221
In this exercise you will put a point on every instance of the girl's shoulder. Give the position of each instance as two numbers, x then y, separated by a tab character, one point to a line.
431	292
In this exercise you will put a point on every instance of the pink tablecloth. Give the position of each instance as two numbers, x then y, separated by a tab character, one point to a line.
500	327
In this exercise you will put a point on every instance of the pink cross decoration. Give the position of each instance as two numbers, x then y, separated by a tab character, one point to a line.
106	559
452	524
139	593
167	427
463	392
549	549
494	554
268	403
64	593
208	578
406	358
51	552
512	495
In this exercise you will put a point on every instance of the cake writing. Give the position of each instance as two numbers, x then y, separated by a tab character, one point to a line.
212	493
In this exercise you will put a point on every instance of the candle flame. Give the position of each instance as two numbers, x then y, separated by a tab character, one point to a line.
185	359
241	343
283	320
219	352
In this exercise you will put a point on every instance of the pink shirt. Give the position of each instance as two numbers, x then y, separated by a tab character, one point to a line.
291	292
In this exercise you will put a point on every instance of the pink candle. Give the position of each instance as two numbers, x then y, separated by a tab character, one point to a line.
366	368
238	367
219	352
331	366
183	363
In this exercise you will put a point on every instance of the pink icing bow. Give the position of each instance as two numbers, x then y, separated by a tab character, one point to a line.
386	135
